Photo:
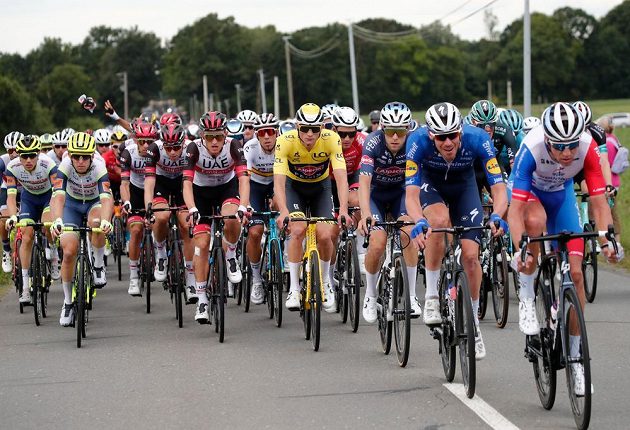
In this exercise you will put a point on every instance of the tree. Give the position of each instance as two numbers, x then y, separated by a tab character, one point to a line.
19	110
41	61
14	66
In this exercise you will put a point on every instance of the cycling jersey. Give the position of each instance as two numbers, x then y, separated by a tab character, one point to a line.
203	169
300	164
352	155
423	157
113	166
259	163
598	133
89	186
37	181
132	165
53	156
385	168
158	162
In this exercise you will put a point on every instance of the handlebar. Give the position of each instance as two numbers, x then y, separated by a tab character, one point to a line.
565	236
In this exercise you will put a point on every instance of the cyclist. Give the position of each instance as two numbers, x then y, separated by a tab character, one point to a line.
81	193
60	146
103	139
215	176
36	173
247	118
163	185
543	199
513	119
440	191
382	192
529	123
46	140
112	162
300	181
285	126
375	118
235	129
328	111
10	143
133	161
259	154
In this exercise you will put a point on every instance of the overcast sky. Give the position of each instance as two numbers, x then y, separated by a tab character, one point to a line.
24	24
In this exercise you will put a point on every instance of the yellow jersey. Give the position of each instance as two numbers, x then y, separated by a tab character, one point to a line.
295	161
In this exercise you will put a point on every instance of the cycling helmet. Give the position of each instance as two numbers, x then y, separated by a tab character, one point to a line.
11	139
66	133
102	136
413	125
483	111
286	126
309	114
375	116
345	117
172	134
266	120
29	143
170	118
247	117
192	131
81	143
118	136
213	121
443	118
361	125
47	141
57	139
585	110
513	119
530	122
562	122
395	114
329	109
234	127
145	130
467	120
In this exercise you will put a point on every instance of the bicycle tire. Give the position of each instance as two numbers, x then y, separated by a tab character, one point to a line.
315	300
148	263
543	360
465	325
80	300
119	240
177	282
340	298
17	273
589	265
500	288
448	351
580	405
47	279
401	311
246	281
305	307
353	285
486	284
382	305
218	289
277	279
36	288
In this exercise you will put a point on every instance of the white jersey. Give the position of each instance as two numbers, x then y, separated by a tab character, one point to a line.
53	156
37	181
207	171
6	159
133	165
88	186
259	163
160	164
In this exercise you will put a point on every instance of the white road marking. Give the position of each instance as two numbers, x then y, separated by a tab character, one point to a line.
491	416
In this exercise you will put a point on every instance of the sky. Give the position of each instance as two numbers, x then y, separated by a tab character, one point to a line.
24	24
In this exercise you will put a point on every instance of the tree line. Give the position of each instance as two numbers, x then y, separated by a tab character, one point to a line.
574	56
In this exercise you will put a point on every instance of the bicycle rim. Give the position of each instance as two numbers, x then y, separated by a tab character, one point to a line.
447	337
500	289
542	357
401	311
35	272
219	288
277	279
353	284
305	306
580	405
119	240
178	283
80	310
315	300
382	305
465	323
149	264
589	266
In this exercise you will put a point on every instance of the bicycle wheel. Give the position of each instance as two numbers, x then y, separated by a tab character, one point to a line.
382	307
573	316
500	286
465	328
486	284
219	278
353	284
17	273
315	299
246	282
177	282
277	279
148	263
401	311
589	265
80	299
340	296
540	348
119	240
305	306
447	337
36	284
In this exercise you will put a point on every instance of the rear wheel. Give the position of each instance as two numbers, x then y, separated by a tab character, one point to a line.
589	265
80	299
382	307
119	241
353	284
219	276
465	325
36	284
246	270
447	338
177	282
304	303
277	279
401	311
315	300
500	286
148	262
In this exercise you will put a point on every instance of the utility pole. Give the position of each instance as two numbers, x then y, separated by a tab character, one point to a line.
353	70
509	93
263	97
125	89
226	103
205	93
527	65
238	97
276	97
211	102
287	55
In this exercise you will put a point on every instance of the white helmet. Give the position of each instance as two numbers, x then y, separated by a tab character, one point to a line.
11	139
361	125
345	117
443	118
395	114
102	136
329	109
247	117
530	122
562	122
309	114
585	110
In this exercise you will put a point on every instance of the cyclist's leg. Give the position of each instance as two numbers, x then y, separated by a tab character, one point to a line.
231	233
373	259
72	216
409	251
135	226
296	204
188	250
259	194
31	209
98	243
160	226
7	262
321	204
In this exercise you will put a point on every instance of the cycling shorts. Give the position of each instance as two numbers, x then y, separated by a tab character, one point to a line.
259	194
316	196
387	200
207	199
76	211
34	205
168	190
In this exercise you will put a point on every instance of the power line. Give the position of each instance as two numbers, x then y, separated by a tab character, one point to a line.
455	10
475	12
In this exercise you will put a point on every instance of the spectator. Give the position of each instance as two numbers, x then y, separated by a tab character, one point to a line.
612	145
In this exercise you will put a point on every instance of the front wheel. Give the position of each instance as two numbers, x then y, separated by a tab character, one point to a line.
80	310
353	284
382	311
37	285
148	261
401	311
589	265
219	279
447	339
500	287
315	300
465	328
277	279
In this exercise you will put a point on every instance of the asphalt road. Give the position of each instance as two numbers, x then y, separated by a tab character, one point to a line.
139	370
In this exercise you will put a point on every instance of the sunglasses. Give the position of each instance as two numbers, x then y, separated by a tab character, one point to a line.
60	146
210	137
10	151
115	146
312	128
248	127
173	148
103	144
392	131
344	134
562	146
329	126
145	141
442	137
28	156
81	157
266	132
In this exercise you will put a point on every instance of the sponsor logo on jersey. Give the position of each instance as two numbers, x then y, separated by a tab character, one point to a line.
308	170
367	160
411	168
492	167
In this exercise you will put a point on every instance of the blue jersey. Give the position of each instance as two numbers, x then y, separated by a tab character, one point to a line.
423	157
385	168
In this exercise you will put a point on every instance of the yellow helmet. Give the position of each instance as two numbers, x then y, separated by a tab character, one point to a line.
118	136
81	143
309	114
29	143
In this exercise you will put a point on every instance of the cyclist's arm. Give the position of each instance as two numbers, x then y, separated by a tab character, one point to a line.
341	177
240	168
499	199
192	154
11	183
58	199
412	202
153	154
597	186
413	178
524	167
105	197
125	171
280	169
365	184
